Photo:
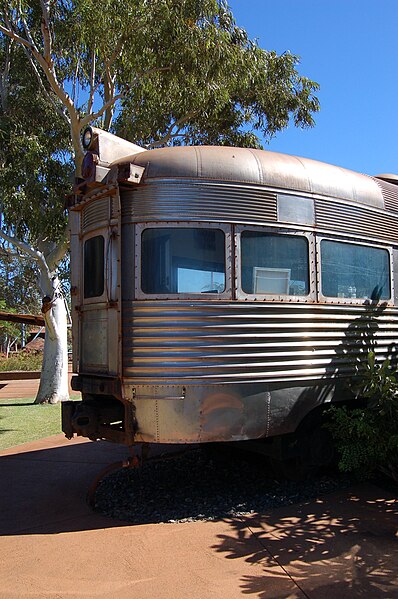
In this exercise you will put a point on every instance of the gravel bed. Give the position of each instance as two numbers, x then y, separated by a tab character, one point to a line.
193	486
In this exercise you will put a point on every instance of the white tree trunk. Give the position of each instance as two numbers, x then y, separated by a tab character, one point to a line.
54	375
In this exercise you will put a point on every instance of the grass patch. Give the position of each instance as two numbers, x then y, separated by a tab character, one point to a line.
22	421
21	361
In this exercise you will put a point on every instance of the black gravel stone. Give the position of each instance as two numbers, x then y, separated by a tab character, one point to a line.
193	486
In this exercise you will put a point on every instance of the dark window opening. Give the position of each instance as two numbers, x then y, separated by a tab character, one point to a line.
94	266
182	260
354	271
274	264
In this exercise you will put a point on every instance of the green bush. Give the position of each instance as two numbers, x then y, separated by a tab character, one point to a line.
24	360
366	436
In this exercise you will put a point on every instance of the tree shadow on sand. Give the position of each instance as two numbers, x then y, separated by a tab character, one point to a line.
340	548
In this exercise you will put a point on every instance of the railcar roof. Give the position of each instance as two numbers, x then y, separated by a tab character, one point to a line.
259	167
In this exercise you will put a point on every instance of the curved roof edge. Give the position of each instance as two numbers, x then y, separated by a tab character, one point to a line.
258	167
389	177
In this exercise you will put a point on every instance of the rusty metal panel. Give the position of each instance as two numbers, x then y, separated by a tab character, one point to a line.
204	343
216	202
224	412
202	414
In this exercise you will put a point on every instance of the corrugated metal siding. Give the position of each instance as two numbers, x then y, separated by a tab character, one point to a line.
171	200
353	219
390	194
177	343
95	213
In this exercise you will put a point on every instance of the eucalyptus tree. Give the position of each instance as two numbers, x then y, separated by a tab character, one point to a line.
156	72
34	174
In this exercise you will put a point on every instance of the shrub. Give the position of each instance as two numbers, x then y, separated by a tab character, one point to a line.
366	435
21	361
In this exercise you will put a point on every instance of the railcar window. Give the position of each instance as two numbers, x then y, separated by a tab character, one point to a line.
274	264
183	260
94	266
354	271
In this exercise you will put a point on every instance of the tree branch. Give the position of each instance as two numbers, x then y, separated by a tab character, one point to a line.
49	97
14	36
28	250
54	257
109	92
4	76
7	252
93	87
170	135
46	64
27	32
89	118
46	33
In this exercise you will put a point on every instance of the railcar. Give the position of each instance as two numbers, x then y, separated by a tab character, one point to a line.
223	294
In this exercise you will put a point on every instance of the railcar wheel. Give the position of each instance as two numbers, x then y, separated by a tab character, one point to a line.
303	454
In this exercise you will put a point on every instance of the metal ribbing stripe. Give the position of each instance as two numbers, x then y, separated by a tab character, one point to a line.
390	194
221	202
353	219
249	342
95	213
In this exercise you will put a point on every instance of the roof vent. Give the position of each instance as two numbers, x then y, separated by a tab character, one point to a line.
389	189
389	177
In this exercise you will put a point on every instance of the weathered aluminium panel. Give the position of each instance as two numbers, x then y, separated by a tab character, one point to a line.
193	200
218	343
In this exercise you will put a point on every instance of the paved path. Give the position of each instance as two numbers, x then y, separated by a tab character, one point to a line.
28	388
53	546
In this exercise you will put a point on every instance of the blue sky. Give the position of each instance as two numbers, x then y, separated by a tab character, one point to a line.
350	47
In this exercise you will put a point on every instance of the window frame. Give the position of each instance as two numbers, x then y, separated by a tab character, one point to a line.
226	229
97	298
242	295
351	300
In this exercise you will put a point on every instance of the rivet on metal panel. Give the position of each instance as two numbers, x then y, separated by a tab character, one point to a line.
157	419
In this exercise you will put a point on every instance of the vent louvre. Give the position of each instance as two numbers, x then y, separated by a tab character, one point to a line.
95	214
210	201
390	194
353	219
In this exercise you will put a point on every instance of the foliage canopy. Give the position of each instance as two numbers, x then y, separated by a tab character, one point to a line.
367	436
174	71
153	71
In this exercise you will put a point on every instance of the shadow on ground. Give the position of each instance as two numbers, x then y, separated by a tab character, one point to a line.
342	545
44	490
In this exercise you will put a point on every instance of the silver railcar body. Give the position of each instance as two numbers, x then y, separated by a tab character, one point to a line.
255	346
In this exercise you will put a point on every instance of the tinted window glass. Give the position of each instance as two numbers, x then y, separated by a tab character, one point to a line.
183	261
94	267
354	271
274	264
